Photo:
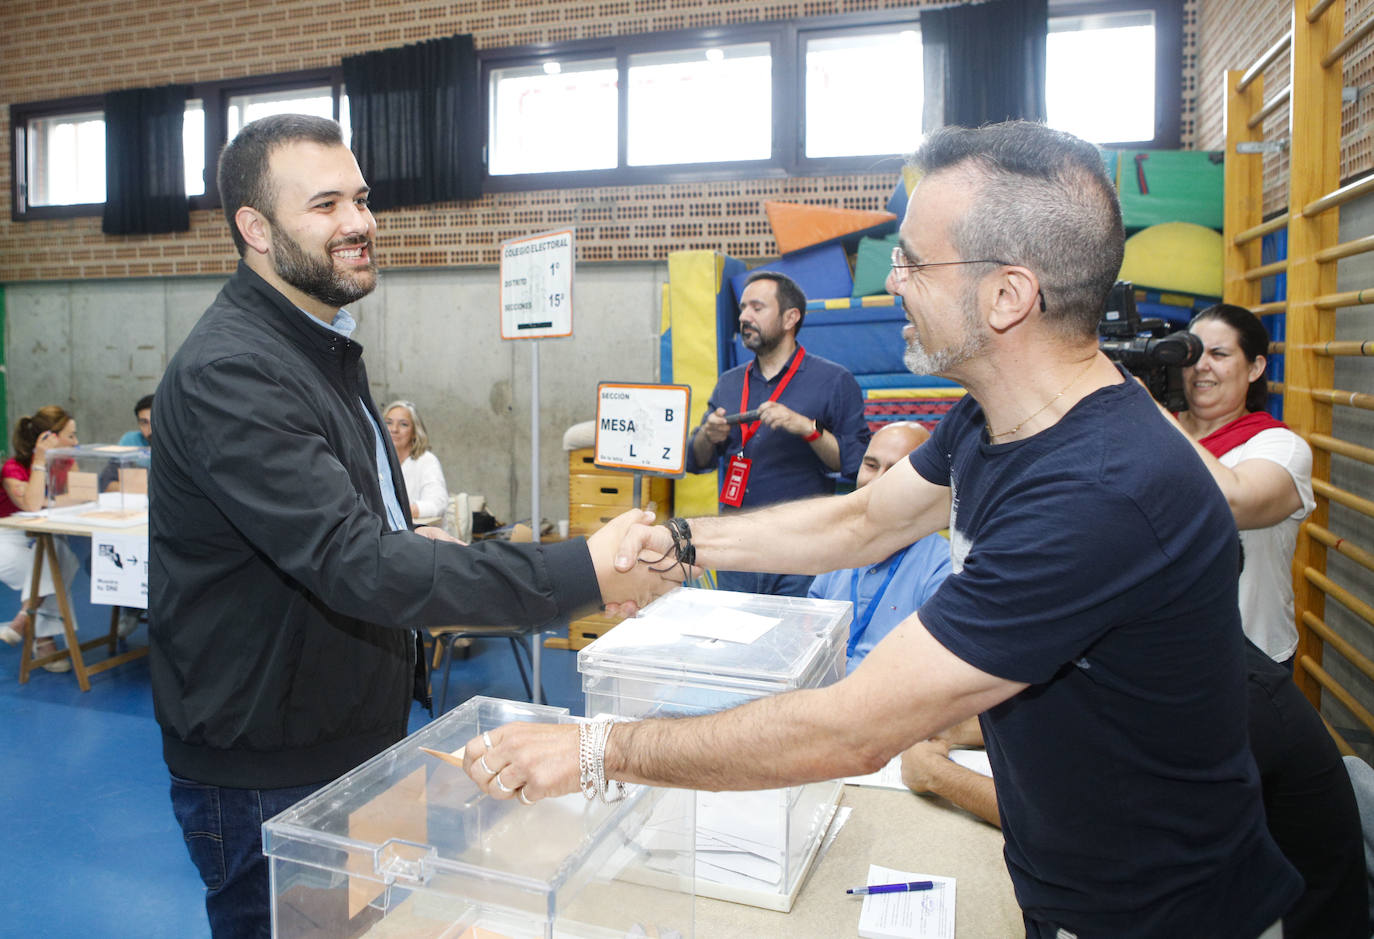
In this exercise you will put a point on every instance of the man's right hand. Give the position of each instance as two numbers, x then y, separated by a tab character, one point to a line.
715	428
629	582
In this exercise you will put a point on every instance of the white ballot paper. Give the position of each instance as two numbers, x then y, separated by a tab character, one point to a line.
918	914
890	776
706	614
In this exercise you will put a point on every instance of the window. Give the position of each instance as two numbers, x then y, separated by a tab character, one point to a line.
1100	76
852	83
65	159
573	103
676	112
837	94
59	147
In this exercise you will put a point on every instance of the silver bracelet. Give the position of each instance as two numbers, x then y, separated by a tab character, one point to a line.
591	763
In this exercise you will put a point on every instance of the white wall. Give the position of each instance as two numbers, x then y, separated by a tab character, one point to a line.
431	337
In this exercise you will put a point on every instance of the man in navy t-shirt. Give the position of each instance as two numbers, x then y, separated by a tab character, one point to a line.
1091	614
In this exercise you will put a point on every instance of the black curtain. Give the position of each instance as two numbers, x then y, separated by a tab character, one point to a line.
417	121
984	62
145	172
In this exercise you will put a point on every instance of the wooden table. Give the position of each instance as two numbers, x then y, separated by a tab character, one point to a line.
900	830
43	530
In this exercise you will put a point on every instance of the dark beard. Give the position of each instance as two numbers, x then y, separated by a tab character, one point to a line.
317	277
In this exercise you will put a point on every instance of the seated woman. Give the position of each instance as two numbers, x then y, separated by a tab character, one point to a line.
1264	469
24	478
423	475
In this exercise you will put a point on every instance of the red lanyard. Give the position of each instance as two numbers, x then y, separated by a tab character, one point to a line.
747	431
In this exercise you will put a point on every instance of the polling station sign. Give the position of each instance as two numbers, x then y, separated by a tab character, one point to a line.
536	286
642	427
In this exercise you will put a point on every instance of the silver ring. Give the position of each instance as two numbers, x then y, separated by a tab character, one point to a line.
482	762
520	794
500	785
486	741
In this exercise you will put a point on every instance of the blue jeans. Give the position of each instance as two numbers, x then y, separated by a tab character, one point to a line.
223	832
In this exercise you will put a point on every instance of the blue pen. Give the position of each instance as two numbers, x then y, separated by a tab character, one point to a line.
892	888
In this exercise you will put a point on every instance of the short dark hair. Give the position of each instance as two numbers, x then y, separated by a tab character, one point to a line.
145	403
1254	342
790	296
244	178
1042	200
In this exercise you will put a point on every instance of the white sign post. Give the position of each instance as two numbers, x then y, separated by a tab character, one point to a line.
119	569
536	303
642	428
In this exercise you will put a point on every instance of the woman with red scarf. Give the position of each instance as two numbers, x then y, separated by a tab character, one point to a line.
1264	468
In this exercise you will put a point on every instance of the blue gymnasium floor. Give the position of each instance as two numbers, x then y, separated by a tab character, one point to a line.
90	847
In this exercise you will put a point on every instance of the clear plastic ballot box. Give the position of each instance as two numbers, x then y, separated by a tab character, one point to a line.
698	651
104	484
407	845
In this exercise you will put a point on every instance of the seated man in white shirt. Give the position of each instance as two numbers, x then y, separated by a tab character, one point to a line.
888	592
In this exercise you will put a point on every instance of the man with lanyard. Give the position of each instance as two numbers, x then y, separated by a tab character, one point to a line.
808	425
886	593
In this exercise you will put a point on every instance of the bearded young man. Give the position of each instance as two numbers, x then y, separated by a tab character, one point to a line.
285	583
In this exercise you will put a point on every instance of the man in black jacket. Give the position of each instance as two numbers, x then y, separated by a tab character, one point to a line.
285	582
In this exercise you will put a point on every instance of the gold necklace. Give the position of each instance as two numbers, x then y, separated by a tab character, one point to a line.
1025	420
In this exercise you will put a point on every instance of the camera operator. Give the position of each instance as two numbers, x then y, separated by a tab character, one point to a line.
1264	469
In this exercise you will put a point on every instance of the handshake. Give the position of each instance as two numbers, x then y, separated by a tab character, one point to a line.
636	562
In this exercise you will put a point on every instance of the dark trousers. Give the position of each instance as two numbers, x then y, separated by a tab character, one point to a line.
223	832
777	585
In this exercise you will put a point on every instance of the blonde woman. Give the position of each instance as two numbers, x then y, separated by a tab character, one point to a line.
423	475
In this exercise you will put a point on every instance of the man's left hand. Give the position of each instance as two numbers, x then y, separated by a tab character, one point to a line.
533	761
437	534
917	763
781	417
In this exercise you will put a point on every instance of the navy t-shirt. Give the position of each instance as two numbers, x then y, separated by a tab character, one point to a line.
784	466
1097	562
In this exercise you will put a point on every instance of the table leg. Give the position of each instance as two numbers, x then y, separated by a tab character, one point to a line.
26	657
114	628
68	621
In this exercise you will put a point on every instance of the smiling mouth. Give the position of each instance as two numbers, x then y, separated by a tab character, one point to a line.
353	251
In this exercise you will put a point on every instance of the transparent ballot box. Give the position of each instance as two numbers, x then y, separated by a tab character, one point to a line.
103	484
407	845
674	660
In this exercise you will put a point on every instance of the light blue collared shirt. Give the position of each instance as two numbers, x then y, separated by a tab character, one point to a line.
344	324
923	567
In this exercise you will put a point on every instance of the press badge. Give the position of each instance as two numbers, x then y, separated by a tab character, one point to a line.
736	478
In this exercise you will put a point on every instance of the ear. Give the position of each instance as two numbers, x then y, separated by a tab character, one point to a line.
790	318
1257	367
255	229
1018	294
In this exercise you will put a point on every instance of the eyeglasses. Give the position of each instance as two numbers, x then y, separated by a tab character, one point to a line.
901	268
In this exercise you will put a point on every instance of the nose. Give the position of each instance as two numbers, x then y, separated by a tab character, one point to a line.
356	219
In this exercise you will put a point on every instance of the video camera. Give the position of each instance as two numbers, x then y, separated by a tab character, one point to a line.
1146	347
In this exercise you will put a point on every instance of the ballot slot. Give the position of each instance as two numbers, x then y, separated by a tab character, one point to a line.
698	651
406	844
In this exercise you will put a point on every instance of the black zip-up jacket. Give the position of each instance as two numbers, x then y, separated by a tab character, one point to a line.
282	608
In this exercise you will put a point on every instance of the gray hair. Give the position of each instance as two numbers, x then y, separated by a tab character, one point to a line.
1042	200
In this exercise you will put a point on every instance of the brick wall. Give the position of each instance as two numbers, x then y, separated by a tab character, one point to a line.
1235	33
61	48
